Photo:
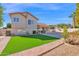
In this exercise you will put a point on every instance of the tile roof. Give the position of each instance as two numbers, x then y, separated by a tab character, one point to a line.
42	25
24	14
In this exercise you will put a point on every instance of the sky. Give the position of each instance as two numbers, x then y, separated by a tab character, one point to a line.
48	13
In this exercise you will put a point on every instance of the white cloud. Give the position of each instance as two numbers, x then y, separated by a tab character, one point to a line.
45	6
17	7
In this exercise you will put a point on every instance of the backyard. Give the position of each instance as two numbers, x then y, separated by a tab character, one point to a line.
20	43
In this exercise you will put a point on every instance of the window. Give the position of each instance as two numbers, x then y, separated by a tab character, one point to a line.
29	22
32	21
16	19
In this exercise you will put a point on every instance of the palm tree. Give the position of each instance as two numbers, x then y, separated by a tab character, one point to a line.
1	16
73	16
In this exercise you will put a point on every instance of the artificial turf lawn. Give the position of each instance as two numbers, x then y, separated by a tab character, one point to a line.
20	43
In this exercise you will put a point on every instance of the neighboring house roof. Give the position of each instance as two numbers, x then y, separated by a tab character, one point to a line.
24	14
42	25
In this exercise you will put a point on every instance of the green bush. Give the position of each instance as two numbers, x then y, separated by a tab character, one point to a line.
65	33
8	25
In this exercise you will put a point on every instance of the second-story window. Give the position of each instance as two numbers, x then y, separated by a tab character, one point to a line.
16	19
29	22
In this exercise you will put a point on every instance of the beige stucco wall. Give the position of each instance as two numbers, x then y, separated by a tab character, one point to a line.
22	27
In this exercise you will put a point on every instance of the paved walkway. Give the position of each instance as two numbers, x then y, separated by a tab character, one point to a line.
3	42
39	50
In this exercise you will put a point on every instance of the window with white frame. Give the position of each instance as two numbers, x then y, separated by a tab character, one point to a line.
15	19
29	21
32	21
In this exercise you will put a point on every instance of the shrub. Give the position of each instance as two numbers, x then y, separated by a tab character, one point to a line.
65	33
8	25
73	38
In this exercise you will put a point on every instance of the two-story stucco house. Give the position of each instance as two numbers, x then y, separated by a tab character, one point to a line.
23	23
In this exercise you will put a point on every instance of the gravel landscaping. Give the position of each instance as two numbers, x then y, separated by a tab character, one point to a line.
64	50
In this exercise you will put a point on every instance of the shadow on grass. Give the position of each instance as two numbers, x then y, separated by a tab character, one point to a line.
42	37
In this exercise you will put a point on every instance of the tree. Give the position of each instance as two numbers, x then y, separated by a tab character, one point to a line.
77	15
8	25
52	26
73	37
73	16
1	16
62	25
69	25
